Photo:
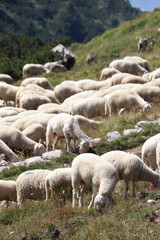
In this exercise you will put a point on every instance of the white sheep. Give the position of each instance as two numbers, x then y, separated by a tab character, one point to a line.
147	92
26	120
33	70
8	92
108	72
66	125
141	61
32	101
11	156
118	77
62	91
88	107
8	191
15	139
131	168
128	66
57	178
89	169
149	150
124	99
35	132
89	84
133	79
40	81
31	185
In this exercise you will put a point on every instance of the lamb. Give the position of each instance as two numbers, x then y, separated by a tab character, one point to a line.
131	168
62	92
108	72
35	132
6	78
149	150
89	169
33	70
31	185
57	178
128	66
8	191
64	124
124	99
88	107
15	139
11	156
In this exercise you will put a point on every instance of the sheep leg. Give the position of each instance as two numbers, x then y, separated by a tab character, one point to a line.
47	190
74	143
133	189
55	140
7	204
67	142
48	138
75	190
81	194
126	189
93	196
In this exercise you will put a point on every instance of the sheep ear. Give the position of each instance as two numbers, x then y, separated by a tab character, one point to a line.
94	141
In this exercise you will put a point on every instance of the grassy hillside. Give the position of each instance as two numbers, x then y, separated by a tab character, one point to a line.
129	219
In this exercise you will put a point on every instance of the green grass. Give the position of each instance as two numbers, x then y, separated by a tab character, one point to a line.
124	220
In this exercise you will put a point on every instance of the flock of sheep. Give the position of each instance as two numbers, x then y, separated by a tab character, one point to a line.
40	115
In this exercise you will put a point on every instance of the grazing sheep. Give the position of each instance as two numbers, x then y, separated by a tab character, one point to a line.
8	191
64	124
89	169
6	78
155	83
88	107
118	77
55	67
131	168
8	92
57	178
147	92
31	185
149	150
52	108
11	156
128	66
33	70
35	132
108	72
124	99
15	139
143	43
91	57
141	61
62	92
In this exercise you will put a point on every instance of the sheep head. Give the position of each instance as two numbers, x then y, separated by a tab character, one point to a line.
101	202
84	146
39	149
147	107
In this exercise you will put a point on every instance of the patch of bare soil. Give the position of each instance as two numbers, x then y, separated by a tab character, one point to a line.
154	215
135	149
62	231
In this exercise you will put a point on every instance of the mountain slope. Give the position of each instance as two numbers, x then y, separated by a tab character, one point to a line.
79	19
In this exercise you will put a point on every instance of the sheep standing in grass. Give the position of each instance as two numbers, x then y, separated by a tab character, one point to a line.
89	169
124	99
58	178
149	150
8	191
66	125
31	185
131	168
15	139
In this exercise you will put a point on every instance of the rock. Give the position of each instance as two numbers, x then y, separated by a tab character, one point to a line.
111	136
